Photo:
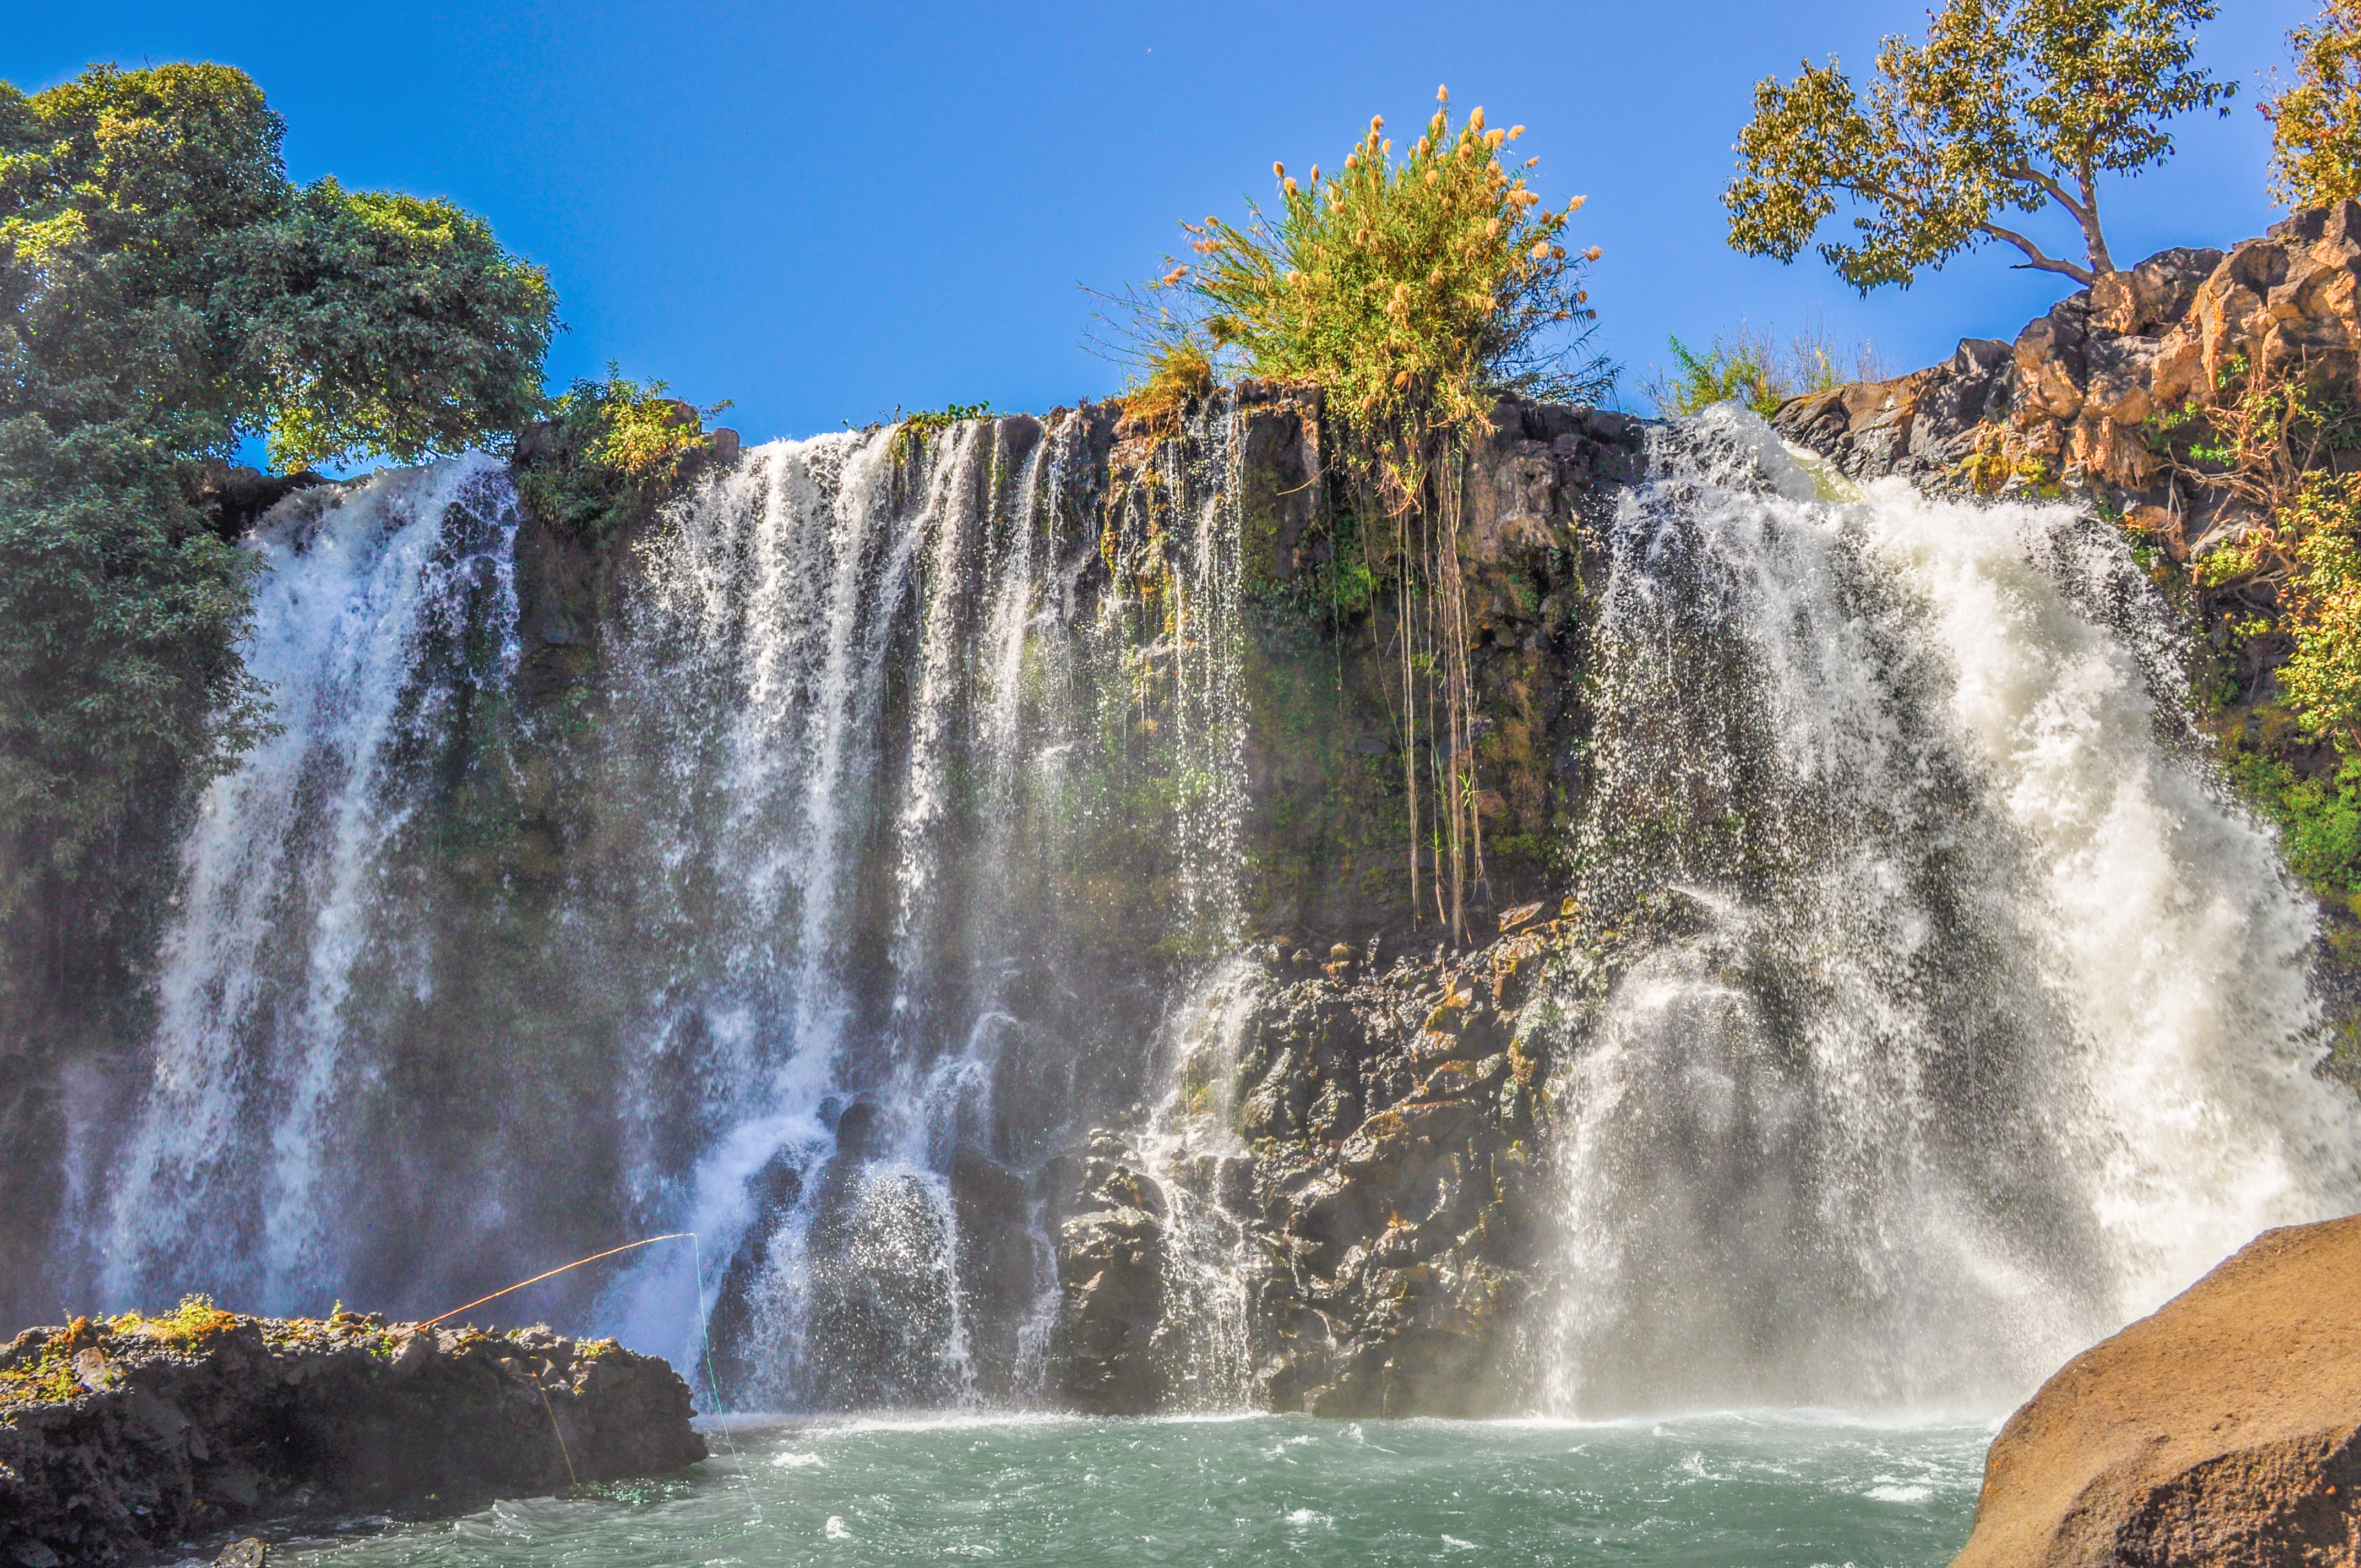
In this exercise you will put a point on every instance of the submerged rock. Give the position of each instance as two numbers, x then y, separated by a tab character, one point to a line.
2223	1430
118	1438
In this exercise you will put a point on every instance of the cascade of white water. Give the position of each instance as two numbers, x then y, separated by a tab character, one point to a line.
1975	1020
1193	1151
367	598
870	671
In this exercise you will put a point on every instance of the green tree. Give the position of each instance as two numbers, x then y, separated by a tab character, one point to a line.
166	293
2010	105
2316	123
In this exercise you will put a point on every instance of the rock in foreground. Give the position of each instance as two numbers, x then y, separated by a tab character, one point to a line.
121	1437
2225	1429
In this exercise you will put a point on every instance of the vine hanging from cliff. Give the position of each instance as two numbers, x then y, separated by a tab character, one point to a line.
1414	291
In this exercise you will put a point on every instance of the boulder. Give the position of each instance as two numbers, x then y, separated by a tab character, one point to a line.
2224	1429
1112	1262
120	1438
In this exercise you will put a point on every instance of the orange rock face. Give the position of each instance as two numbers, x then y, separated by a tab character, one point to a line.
2225	1429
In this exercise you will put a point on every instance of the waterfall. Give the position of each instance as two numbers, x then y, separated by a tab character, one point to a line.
1955	1016
387	610
893	728
818	866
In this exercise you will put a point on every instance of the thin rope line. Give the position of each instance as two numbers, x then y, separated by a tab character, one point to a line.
713	1381
564	1452
561	1268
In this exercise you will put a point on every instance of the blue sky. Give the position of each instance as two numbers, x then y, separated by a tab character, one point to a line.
826	212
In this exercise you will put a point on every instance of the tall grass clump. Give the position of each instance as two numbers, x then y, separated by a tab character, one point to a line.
1414	291
1754	368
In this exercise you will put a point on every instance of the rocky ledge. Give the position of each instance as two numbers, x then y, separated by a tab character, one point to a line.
2086	396
2224	1429
119	1438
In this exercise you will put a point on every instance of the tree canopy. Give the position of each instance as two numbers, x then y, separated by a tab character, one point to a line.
166	291
2316	123
2009	106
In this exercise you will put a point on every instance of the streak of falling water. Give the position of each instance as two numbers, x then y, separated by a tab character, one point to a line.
1959	1018
912	870
380	602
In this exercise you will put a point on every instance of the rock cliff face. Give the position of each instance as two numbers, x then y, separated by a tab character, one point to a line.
118	1439
1386	1101
1395	1125
2224	1429
2077	398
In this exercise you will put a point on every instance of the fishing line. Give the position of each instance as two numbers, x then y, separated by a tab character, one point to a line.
704	1341
650	1241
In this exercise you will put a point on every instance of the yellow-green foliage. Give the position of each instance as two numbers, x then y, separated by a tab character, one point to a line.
49	1376
913	429
193	1325
2274	441
1423	285
617	447
1178	373
2322	608
2009	104
2316	123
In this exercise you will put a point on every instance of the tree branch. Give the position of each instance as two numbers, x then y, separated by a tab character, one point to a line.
2049	183
2085	212
2038	262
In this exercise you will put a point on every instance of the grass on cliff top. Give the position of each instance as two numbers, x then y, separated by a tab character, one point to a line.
1758	370
1413	290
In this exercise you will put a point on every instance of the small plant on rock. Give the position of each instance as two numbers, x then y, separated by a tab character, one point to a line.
610	450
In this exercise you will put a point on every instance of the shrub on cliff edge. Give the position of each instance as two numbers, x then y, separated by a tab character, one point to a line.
1414	292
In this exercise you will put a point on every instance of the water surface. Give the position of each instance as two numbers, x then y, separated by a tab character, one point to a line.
1765	1490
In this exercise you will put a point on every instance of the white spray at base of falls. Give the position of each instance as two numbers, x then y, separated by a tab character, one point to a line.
1974	1020
229	1177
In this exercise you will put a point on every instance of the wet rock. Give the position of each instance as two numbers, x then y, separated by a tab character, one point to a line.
2225	1429
1110	1270
1391	1123
998	1267
732	1331
880	1323
233	498
202	1422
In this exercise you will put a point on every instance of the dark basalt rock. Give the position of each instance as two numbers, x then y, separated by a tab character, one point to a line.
1112	1258
1392	1119
233	497
118	1439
